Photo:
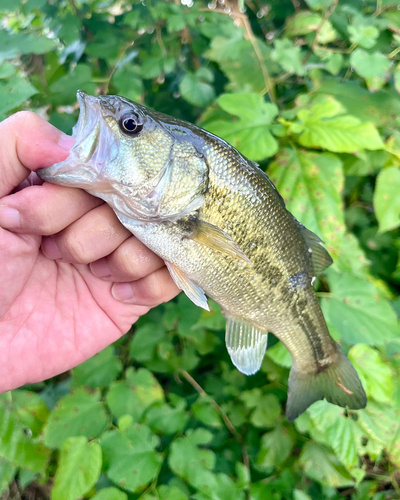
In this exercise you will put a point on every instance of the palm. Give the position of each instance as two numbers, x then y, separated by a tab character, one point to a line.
55	315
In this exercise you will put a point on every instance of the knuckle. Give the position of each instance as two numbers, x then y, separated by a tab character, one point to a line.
154	288
74	249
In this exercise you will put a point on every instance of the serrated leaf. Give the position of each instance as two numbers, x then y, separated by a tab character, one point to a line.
375	375
80	413
325	126
98	371
364	36
78	469
321	465
206	413
356	309
311	185
288	56
250	134
373	67
387	199
334	428
130	458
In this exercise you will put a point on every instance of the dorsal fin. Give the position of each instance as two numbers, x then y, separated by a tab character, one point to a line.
320	257
246	345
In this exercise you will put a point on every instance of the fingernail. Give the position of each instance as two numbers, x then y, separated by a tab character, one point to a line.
66	142
9	218
122	291
50	248
100	268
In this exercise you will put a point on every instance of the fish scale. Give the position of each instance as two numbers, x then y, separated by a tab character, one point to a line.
223	231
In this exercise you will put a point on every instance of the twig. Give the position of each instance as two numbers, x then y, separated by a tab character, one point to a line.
224	416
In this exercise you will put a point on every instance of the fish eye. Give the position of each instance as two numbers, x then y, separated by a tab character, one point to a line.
130	124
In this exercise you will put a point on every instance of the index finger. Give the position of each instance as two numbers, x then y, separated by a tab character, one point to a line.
27	143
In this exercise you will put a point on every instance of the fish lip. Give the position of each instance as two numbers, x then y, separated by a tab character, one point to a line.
79	169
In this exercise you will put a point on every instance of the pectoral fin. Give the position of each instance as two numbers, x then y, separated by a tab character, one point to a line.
213	237
193	291
246	345
320	257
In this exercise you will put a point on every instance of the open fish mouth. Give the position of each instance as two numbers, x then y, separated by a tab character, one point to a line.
93	147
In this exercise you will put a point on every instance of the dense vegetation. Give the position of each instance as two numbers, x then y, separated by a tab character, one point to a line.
310	90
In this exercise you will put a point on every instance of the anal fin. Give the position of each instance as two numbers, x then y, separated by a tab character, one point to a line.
211	236
246	345
193	291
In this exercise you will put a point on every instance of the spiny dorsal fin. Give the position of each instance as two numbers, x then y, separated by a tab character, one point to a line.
320	257
193	291
211	236
246	345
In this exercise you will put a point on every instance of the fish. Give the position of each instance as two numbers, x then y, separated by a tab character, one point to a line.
223	231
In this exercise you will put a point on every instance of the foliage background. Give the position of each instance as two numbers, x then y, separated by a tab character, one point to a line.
308	88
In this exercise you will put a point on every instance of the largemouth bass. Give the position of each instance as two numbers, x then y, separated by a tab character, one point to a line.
223	231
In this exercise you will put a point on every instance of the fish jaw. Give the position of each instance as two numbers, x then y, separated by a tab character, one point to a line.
95	146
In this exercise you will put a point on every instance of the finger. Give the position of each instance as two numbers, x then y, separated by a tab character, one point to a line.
131	261
45	209
27	143
154	289
93	236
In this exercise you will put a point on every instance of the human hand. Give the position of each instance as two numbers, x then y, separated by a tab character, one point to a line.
72	279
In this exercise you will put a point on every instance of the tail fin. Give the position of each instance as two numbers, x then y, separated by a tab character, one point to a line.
338	383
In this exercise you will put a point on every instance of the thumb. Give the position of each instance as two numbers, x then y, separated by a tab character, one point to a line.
27	142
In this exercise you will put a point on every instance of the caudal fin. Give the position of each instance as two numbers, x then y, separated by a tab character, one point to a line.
339	384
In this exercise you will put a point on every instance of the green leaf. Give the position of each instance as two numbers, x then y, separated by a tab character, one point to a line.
30	409
318	5
364	36
133	395
189	461
98	371
325	126
356	309
14	93
387	199
145	340
288	56
373	67
206	413
166	419
340	432
129	456
195	91
110	493
16	446
304	22
311	185
375	374
7	472
80	413
238	60
275	448
321	465
250	134
13	45
78	469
